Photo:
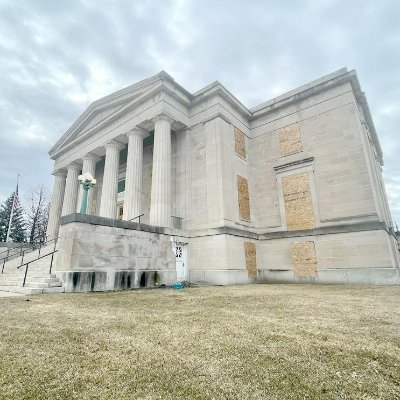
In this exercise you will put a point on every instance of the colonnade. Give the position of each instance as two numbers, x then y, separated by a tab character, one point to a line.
67	194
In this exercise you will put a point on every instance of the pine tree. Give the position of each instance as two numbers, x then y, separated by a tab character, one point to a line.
17	232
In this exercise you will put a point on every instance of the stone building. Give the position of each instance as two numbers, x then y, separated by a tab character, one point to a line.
199	187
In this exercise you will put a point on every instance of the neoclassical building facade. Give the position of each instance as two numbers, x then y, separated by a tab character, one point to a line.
198	187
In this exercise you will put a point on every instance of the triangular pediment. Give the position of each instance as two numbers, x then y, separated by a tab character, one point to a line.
107	109
95	118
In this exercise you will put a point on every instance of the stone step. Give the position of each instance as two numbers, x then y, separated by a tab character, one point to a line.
13	282
58	289
43	279
44	271
20	289
31	291
38	279
40	276
21	276
41	284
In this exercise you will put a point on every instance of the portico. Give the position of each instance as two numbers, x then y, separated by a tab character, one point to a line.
67	195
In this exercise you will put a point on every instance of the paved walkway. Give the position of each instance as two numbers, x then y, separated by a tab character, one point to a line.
10	294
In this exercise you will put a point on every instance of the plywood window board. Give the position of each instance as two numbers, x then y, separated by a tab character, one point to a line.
240	143
298	202
290	139
304	258
243	197
251	258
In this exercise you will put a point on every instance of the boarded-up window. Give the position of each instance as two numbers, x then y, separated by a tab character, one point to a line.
298	202
304	259
251	259
243	195
240	143
290	139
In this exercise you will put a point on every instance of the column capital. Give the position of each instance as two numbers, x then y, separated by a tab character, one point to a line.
137	132
162	117
74	165
114	144
60	172
90	156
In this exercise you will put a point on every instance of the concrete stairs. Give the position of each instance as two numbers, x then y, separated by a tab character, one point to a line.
38	279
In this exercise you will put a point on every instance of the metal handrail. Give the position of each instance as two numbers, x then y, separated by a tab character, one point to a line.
36	259
8	256
22	252
10	249
141	215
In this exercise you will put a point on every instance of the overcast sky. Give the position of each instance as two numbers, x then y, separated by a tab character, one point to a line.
57	56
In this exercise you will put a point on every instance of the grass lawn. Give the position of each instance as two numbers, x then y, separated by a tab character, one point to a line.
243	342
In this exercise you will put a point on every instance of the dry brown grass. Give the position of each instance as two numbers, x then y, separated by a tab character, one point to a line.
244	342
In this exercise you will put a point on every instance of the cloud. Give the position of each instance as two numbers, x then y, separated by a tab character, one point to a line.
56	57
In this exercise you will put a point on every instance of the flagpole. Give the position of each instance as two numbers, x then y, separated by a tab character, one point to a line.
12	211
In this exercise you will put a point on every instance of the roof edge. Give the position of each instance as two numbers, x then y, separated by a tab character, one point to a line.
300	89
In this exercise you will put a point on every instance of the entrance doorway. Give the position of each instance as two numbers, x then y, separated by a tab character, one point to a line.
181	264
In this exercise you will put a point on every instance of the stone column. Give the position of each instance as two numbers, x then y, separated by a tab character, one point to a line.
71	189
89	166
108	204
56	205
133	180
161	205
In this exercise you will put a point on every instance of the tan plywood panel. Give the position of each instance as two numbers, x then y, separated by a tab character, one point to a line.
290	139
304	259
240	143
298	202
251	259
243	195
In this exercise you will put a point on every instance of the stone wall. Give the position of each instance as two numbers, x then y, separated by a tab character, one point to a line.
326	127
103	254
364	257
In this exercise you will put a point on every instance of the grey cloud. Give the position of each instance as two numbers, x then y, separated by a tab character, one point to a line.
256	49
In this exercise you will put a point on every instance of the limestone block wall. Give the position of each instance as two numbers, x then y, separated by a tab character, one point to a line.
232	171
223	259
326	128
366	257
196	195
376	178
343	185
263	185
94	256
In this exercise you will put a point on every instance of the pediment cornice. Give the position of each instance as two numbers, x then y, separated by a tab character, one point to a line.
112	111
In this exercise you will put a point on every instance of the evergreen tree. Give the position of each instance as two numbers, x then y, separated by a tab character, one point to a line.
17	232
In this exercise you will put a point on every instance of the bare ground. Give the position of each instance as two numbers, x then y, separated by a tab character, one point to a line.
243	342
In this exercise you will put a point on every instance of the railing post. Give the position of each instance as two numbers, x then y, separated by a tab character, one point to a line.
22	259
4	260
52	256
51	263
26	272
